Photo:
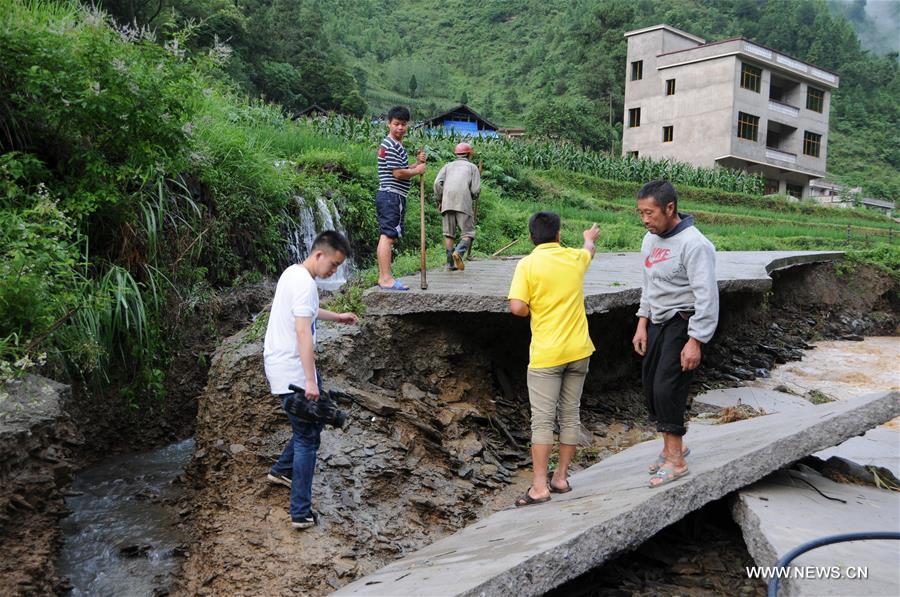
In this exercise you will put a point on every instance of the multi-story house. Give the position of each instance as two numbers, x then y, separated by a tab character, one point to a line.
732	103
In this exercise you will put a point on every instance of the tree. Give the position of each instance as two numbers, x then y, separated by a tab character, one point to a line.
576	120
413	86
464	98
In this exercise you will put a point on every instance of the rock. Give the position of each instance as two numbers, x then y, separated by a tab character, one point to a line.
339	462
468	447
411	392
377	403
465	471
445	417
135	551
236	449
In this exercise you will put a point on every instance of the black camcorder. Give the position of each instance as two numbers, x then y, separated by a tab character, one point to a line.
322	410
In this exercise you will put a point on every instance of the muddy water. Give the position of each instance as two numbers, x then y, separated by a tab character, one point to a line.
121	538
841	369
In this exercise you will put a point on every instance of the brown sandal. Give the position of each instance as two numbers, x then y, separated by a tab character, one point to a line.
554	489
526	500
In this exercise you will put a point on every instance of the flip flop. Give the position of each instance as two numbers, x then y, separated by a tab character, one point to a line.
661	460
554	489
667	475
397	286
526	500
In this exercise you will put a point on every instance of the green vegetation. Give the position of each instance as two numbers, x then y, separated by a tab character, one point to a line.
515	59
137	180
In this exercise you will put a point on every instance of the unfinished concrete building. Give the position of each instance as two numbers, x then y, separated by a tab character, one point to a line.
732	103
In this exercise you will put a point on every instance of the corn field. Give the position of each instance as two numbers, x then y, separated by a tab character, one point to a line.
548	155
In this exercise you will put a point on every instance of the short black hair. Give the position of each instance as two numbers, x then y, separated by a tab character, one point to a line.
331	240
398	112
660	191
544	227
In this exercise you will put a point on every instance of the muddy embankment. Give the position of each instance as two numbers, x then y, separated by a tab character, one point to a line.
438	433
47	434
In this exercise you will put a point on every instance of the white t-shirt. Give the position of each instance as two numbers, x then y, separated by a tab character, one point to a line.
295	296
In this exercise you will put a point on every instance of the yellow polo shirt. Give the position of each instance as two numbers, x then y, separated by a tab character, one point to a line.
551	282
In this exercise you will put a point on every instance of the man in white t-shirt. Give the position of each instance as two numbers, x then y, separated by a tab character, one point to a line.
289	356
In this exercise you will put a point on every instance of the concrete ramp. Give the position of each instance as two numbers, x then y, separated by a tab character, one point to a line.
529	551
613	280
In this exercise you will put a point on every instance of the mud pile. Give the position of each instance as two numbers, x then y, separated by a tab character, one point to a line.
439	426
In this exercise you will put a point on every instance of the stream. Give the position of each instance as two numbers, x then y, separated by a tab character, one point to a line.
121	537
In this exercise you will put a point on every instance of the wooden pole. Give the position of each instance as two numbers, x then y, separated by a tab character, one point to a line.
505	247
475	216
423	281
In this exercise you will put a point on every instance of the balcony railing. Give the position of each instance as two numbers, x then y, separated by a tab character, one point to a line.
783	108
782	156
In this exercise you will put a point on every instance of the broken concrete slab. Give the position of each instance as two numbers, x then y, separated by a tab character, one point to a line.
878	447
613	280
769	401
531	550
785	510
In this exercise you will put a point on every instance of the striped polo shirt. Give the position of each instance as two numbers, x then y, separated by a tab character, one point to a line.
391	156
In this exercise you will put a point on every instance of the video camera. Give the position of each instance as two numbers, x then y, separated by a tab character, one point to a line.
322	410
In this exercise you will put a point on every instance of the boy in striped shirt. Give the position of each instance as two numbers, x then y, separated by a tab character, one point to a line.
394	176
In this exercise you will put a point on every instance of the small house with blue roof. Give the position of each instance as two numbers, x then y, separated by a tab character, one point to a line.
461	120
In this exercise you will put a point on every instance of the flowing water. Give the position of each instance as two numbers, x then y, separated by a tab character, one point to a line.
121	537
302	234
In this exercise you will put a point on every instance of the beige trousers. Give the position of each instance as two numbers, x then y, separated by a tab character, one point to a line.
552	391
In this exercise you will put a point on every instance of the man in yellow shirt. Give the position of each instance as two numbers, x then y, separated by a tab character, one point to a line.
549	286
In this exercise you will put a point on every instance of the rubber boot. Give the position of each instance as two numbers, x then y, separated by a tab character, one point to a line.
451	266
458	255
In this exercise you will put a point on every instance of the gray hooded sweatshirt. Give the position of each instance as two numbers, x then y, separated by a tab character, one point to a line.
679	269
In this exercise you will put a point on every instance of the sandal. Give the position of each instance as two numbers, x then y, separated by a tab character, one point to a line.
661	460
666	476
397	285
554	489
526	500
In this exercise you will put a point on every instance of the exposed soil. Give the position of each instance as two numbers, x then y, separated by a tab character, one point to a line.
439	427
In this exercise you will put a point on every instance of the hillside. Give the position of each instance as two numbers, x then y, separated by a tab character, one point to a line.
137	185
510	59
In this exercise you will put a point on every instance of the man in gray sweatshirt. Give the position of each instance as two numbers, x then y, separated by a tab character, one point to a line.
678	314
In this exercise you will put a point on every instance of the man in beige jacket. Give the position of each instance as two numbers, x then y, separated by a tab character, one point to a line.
456	188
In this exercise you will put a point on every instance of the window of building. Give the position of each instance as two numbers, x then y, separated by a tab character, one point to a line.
668	133
815	99
748	126
634	117
670	86
632	154
811	143
794	190
637	70
751	77
771	187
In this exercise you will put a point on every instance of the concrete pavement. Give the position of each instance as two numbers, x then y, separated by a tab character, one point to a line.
613	280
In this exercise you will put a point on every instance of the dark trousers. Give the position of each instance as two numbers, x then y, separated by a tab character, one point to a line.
665	384
298	459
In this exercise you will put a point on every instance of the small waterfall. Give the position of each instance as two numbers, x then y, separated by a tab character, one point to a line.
303	231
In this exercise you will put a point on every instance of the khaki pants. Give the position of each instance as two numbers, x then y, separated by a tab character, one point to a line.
552	391
451	220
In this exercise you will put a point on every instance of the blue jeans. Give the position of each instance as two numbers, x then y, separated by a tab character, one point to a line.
298	460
